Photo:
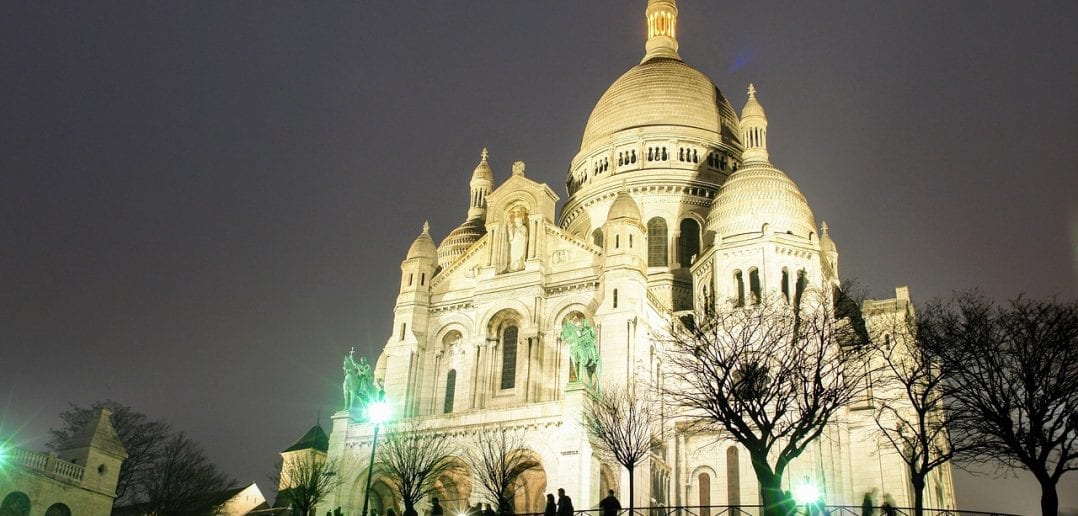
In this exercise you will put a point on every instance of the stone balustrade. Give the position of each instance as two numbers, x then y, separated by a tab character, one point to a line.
49	464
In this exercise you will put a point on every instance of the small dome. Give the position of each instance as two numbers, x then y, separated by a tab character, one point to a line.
826	244
482	170
660	91
760	194
623	207
423	247
460	239
752	106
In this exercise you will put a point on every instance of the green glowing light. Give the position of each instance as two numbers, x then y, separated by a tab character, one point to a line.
806	493
379	412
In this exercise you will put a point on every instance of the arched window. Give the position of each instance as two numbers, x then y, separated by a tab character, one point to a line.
509	357
704	496
615	298
754	285
657	256
739	288
58	509
597	237
786	285
450	390
15	504
689	243
802	283
733	477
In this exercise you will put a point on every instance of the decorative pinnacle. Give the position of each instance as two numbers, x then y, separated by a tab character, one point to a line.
823	228
483	155
752	91
426	227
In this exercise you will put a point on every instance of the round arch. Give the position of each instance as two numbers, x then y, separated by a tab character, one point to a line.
15	503
454	487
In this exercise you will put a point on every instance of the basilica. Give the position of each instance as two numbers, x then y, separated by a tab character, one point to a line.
671	203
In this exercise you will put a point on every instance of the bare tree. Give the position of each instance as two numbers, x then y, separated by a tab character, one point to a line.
305	480
620	420
142	437
413	459
909	388
179	477
769	375
1014	381
498	459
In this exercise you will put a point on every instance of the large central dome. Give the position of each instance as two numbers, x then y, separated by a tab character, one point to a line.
661	91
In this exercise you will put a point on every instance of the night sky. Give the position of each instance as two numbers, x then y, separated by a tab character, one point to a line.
204	204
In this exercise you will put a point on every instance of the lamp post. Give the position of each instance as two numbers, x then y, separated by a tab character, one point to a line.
378	412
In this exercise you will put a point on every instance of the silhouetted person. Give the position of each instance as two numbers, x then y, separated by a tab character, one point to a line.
487	511
610	505
436	508
565	504
868	505
391	512
888	506
551	508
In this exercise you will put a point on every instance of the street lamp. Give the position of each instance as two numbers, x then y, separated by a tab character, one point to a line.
806	493
378	412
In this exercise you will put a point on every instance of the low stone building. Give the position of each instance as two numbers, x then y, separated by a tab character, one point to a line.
79	478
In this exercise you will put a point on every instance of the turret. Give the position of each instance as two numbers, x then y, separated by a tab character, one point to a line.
418	267
474	227
481	184
97	448
302	458
624	247
828	255
754	129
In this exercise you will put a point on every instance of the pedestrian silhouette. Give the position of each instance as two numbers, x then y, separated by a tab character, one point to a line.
435	507
889	506
868	505
487	511
551	508
565	504
610	505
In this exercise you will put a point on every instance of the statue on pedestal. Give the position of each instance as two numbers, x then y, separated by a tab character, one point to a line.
580	335
358	381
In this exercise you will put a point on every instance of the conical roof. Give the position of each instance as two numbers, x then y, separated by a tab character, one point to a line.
314	439
623	207
97	433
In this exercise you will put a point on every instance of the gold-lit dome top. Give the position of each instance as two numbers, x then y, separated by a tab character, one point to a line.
658	92
423	247
760	194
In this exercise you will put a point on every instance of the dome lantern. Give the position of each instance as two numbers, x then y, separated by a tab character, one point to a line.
662	30
754	129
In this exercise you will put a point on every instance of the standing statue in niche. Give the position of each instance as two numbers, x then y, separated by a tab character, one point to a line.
580	335
358	381
517	233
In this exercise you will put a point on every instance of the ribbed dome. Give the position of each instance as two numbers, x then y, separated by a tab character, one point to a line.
459	240
623	207
423	247
759	194
660	91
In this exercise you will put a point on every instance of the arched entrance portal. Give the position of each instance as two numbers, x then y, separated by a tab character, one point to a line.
384	497
454	488
529	487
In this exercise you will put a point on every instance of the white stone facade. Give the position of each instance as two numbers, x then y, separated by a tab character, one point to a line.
672	203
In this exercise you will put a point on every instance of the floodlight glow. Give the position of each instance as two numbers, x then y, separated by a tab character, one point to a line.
806	493
379	412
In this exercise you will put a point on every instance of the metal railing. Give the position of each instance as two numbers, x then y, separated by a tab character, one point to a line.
758	510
